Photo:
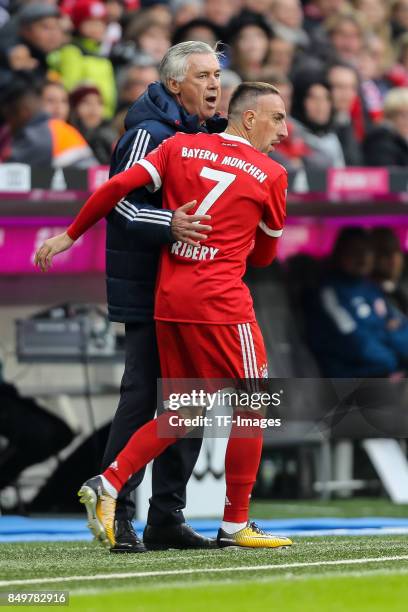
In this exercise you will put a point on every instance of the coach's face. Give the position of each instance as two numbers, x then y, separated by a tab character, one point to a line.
199	92
266	125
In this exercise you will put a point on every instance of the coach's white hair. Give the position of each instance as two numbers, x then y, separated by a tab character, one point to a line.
174	64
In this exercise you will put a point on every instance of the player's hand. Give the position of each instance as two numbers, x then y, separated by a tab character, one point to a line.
189	228
51	247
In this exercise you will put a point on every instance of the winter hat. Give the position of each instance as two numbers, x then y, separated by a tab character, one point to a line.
87	9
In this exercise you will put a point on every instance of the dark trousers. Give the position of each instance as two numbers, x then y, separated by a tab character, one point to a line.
137	405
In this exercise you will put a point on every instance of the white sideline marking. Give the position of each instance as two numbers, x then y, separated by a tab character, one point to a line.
204	570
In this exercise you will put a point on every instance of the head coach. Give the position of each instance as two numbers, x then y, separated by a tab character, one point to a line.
184	100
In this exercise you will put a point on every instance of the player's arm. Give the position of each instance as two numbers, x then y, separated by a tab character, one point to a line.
264	251
144	172
95	208
271	225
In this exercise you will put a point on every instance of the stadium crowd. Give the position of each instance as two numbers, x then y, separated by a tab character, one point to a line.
69	71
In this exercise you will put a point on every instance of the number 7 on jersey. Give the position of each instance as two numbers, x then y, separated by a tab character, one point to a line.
223	180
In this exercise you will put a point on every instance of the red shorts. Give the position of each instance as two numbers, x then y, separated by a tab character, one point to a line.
191	350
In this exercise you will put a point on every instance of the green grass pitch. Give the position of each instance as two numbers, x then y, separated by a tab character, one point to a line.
321	574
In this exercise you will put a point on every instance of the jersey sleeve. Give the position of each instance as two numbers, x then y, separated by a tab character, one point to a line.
274	215
105	198
270	227
156	163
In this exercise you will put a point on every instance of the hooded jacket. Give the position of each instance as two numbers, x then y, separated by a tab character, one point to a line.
138	226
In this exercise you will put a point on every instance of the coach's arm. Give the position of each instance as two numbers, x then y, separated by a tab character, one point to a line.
153	226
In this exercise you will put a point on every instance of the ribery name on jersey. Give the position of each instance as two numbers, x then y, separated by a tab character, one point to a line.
199	253
234	162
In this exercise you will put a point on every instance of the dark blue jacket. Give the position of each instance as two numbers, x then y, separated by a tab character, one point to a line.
138	226
347	329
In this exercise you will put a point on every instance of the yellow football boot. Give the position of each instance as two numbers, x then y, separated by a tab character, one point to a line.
100	508
251	536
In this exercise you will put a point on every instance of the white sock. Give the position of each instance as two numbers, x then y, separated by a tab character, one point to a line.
232	527
109	488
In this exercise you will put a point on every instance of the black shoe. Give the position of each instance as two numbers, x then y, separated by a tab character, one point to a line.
175	536
126	538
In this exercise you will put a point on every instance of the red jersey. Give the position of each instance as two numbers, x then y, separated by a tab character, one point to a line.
242	189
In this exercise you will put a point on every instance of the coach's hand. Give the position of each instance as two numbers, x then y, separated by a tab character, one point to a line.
49	248
189	228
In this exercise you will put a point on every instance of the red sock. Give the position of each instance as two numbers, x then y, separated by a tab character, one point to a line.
241	466
146	443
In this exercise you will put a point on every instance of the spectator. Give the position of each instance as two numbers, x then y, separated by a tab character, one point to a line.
399	17
55	100
387	143
38	33
81	60
229	81
133	80
376	14
87	116
35	138
399	74
4	14
281	55
249	36
347	34
389	266
318	11
368	66
198	29
185	11
292	151
149	35
287	22
159	11
115	11
221	12
350	327
343	81
312	109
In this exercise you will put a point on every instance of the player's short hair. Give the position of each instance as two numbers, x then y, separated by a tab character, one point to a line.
247	94
174	64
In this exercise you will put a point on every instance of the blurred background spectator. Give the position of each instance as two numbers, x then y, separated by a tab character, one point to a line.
389	266
351	328
55	100
313	112
87	116
198	29
38	31
399	17
221	12
344	87
134	79
355	51
149	35
249	36
229	81
286	18
31	136
387	143
347	33
80	60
